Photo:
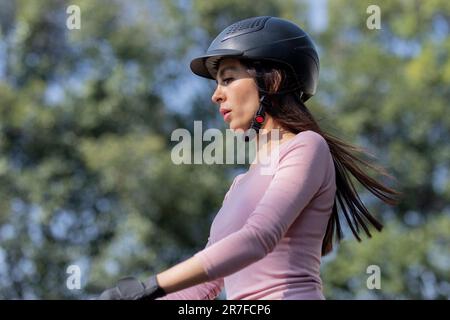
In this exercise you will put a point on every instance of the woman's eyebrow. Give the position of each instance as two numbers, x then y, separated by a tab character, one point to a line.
221	72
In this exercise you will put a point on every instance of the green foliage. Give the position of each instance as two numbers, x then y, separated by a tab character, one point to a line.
414	263
85	163
215	14
85	171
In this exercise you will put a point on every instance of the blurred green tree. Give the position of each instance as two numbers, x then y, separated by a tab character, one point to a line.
86	175
414	263
86	118
387	90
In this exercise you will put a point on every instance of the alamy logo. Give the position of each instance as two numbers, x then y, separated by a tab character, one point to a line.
74	280
189	149
374	20
74	19
374	280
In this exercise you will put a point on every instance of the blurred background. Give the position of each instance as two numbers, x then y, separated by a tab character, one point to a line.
86	177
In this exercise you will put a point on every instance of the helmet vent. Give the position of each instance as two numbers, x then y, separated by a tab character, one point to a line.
245	26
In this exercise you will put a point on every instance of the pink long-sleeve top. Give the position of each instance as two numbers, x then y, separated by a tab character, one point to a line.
265	242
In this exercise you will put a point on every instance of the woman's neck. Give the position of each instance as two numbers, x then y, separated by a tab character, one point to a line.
270	136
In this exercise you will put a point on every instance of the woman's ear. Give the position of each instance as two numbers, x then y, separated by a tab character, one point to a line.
277	79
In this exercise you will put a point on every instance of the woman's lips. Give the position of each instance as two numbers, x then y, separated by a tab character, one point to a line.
226	116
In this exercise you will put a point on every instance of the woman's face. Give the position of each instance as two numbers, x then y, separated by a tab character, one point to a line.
236	94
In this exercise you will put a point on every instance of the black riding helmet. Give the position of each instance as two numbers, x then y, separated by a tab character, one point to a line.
265	38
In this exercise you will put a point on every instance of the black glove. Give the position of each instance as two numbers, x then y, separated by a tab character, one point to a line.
130	288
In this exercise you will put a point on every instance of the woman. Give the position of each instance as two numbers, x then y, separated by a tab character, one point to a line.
267	240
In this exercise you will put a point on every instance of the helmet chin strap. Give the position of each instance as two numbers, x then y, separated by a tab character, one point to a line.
258	120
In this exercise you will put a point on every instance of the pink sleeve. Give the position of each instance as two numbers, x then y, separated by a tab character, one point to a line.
204	291
299	175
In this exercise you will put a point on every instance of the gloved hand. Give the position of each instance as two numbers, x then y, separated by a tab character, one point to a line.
130	288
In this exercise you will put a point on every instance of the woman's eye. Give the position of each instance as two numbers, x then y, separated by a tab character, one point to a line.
227	80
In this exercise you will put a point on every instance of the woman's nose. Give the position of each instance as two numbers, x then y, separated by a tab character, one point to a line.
218	95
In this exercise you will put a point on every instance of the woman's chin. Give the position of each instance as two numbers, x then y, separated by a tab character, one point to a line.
236	128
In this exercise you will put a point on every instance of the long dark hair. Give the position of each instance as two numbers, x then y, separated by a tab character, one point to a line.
287	109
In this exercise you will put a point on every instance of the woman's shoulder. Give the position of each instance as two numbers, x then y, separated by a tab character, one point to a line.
308	137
